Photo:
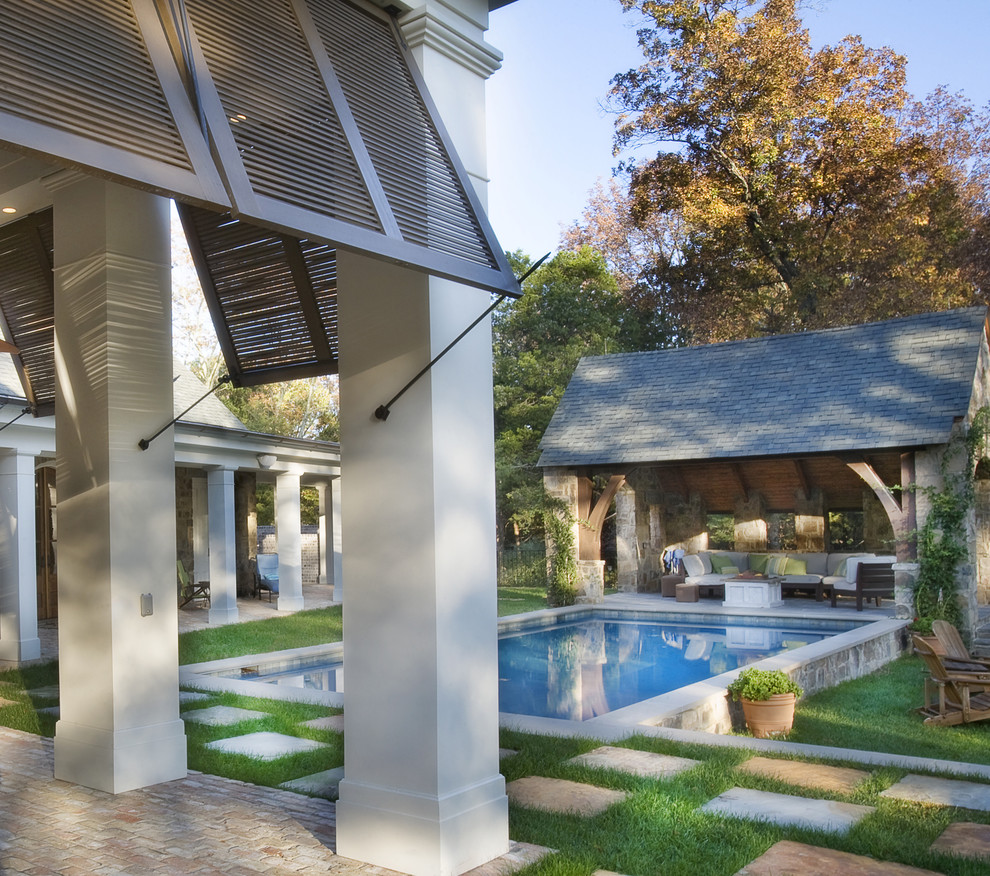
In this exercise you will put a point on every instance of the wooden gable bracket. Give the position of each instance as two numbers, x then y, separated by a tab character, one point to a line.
901	513
592	518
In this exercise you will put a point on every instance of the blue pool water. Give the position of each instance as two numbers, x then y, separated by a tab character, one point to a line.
581	668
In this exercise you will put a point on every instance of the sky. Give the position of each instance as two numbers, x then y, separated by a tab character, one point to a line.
550	139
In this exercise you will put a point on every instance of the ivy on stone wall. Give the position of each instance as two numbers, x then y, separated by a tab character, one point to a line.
562	570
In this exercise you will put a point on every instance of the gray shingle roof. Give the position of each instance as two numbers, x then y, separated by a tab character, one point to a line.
897	383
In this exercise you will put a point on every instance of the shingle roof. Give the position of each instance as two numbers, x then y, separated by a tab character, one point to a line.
898	383
186	388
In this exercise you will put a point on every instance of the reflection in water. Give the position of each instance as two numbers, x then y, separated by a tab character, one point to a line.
580	670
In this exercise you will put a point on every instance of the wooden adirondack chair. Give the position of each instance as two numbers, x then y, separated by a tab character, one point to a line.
960	698
957	656
189	591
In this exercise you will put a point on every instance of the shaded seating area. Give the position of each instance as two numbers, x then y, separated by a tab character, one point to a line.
189	591
874	579
952	696
266	575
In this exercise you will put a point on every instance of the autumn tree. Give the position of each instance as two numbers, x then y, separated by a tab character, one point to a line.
808	187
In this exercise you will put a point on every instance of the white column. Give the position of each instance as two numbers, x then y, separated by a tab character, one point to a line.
338	571
223	550
201	530
18	569
422	793
289	537
118	626
325	535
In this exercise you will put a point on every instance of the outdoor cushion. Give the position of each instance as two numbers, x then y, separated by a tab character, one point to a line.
840	570
776	566
795	567
719	562
693	566
758	562
730	570
853	563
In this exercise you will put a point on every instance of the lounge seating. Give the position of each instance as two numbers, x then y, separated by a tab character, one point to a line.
873	577
957	656
189	591
960	697
266	574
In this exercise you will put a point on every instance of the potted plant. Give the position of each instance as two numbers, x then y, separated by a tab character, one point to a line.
768	698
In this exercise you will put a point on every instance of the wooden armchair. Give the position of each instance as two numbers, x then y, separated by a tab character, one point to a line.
873	579
189	591
960	697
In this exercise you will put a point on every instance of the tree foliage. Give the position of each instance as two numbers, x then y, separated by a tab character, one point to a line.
571	307
802	188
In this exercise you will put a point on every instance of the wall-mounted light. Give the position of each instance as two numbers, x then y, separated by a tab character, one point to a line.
10	210
267	460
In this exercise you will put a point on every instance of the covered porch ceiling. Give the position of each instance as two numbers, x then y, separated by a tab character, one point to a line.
280	145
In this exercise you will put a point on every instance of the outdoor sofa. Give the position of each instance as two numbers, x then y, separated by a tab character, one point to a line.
819	573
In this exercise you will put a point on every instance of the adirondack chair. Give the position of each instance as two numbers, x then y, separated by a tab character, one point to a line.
266	574
959	695
957	656
188	591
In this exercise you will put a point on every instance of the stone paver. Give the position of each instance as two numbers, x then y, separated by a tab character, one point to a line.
519	855
941	792
506	752
840	780
192	696
964	839
265	745
788	858
331	722
4	702
561	795
48	692
786	809
222	716
638	763
324	783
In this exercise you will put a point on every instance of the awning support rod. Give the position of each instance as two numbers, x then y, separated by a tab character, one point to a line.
145	443
382	411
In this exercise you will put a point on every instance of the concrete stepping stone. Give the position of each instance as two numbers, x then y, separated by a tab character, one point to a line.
222	716
941	792
786	809
840	780
192	696
788	858
48	692
561	795
638	763
964	839
265	745
323	784
4	703
331	722
506	752
519	855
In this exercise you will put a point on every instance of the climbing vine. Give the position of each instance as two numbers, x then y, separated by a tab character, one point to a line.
562	570
942	541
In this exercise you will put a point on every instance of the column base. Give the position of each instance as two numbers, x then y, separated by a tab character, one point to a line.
422	835
220	616
120	761
290	603
20	650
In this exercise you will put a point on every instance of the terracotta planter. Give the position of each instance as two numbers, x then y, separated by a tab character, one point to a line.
772	717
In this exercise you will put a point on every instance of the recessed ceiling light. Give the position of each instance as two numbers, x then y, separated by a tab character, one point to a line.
10	209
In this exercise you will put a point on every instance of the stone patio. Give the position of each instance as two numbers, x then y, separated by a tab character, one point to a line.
797	859
941	792
637	763
784	809
839	780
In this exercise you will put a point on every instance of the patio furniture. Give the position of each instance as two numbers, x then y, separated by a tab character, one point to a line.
753	593
687	592
266	574
668	584
960	698
189	591
874	578
957	656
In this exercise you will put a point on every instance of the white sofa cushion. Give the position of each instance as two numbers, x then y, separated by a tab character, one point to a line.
694	567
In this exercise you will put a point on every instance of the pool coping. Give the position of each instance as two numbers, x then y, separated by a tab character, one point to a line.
706	701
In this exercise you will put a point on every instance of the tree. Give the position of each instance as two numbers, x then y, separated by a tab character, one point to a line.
571	307
811	190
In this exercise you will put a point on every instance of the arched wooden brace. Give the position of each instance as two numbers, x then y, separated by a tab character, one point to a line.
902	514
590	518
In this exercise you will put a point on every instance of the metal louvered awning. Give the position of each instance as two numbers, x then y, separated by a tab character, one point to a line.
305	117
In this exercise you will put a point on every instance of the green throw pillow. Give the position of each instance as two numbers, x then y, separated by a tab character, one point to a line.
795	567
840	570
776	566
730	570
758	563
719	562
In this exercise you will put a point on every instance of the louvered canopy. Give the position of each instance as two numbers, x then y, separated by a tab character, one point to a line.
302	117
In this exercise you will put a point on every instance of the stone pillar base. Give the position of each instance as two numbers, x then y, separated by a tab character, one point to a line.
20	650
591	584
220	616
423	835
290	603
905	579
121	761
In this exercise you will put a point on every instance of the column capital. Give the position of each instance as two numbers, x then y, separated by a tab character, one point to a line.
450	33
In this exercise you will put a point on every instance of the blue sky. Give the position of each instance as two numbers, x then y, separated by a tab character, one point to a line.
550	139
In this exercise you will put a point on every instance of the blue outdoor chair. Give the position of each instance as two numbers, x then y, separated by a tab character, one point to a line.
266	574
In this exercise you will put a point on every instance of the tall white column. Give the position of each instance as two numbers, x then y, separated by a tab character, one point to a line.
325	535
422	792
201	530
18	569
223	549
118	628
289	536
338	571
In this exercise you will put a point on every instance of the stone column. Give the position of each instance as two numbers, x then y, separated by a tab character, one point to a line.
118	629
809	522
751	524
422	792
18	573
289	537
626	549
338	571
223	546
